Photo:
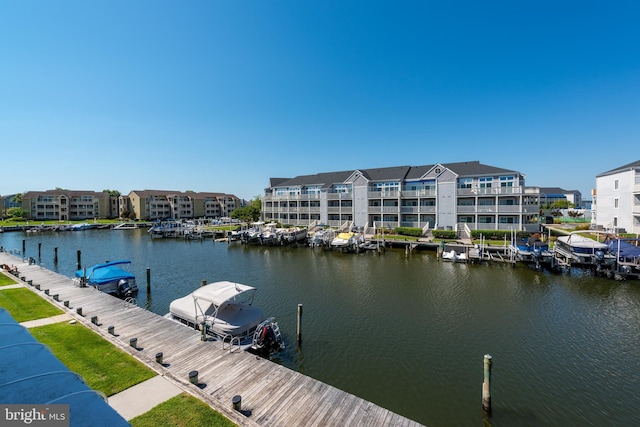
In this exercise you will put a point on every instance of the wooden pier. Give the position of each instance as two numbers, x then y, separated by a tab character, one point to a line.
272	395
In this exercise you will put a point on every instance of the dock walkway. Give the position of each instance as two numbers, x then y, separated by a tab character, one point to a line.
272	395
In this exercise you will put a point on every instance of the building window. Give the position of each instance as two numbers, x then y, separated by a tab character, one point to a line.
615	184
506	181
465	182
615	203
485	182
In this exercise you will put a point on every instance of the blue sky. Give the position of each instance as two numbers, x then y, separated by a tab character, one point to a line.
222	95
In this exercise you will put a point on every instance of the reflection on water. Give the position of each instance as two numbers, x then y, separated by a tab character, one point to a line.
409	332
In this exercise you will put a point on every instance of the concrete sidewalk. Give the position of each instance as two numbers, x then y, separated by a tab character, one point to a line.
143	397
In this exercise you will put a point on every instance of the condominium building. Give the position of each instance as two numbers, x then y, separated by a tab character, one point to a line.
435	196
616	199
67	205
549	195
162	204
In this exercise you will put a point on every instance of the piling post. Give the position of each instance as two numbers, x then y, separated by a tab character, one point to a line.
23	247
55	255
133	342
236	401
203	282
486	385
148	279
299	329
193	377
111	330
79	256
159	358
39	250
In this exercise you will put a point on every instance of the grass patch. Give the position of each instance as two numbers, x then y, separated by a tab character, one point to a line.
6	280
103	366
23	305
181	411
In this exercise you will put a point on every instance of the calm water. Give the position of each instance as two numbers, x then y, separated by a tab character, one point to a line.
409	333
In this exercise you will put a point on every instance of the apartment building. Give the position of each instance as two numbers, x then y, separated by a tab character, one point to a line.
549	195
439	196
616	199
67	205
162	204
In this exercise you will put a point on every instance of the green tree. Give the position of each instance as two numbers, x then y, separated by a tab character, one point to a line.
250	212
561	204
17	213
114	193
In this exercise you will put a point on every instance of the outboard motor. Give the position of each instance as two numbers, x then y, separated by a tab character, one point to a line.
124	290
599	256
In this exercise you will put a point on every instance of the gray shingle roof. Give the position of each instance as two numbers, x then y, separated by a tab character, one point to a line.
632	165
398	173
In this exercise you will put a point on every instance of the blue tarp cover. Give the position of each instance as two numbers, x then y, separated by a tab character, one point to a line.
107	272
627	249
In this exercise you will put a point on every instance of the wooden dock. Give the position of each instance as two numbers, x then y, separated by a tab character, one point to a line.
272	395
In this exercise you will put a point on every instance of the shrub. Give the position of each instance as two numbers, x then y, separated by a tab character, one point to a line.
444	234
408	231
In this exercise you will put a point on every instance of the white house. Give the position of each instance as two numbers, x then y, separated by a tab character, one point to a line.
616	201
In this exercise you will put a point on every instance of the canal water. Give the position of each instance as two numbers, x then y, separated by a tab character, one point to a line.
409	332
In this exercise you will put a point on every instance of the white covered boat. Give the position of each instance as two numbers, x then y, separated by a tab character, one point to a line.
454	256
583	250
224	310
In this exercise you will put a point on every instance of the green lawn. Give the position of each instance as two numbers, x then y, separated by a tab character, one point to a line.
23	305
103	366
6	280
181	411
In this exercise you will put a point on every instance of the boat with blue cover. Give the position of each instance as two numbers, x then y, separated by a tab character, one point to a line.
109	277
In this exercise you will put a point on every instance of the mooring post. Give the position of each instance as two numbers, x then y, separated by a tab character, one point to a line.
236	402
299	334
79	256
55	255
39	250
486	385
193	377
111	330
148	279
159	358
203	283
23	247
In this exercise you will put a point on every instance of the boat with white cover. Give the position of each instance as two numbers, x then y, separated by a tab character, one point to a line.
224	311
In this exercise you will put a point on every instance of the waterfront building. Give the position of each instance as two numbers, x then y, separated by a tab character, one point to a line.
7	202
442	196
162	204
66	205
616	199
549	195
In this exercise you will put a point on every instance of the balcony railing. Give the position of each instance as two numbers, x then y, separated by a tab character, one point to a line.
383	194
496	191
418	193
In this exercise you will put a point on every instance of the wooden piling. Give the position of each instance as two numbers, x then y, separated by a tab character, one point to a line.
79	256
111	330
24	247
133	342
486	385
203	282
159	358
148	279
299	329
55	255
39	250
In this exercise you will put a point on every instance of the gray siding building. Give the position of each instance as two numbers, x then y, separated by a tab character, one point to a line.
441	196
